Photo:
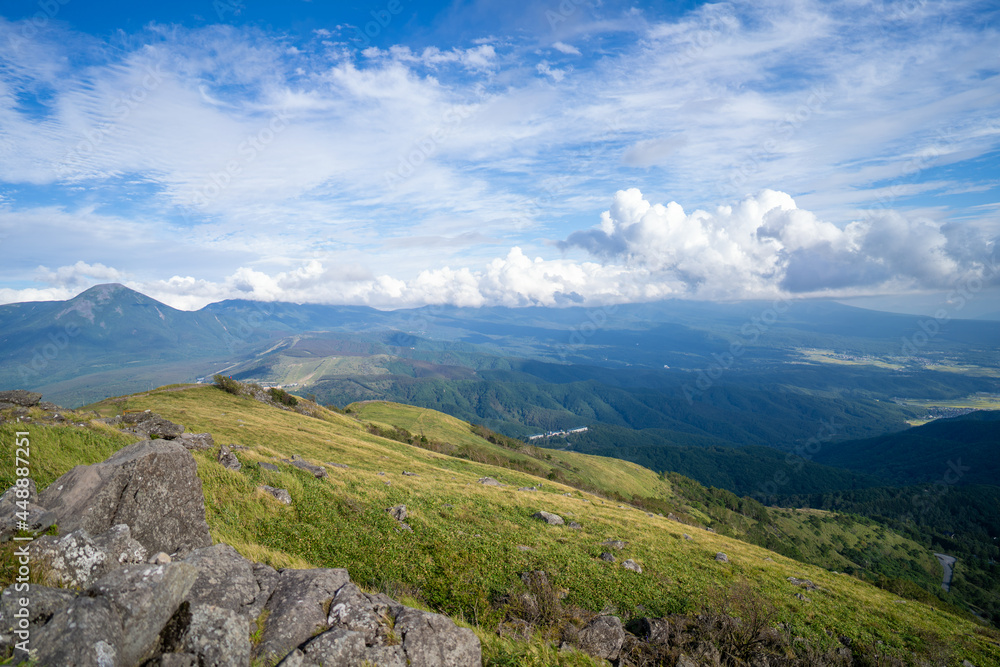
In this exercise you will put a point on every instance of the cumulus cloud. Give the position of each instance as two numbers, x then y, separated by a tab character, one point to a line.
763	246
766	244
78	274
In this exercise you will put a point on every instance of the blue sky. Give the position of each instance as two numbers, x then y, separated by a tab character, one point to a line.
398	153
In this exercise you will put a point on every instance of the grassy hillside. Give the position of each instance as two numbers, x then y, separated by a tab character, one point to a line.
470	543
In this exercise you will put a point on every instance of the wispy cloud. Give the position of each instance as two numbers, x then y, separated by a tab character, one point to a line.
231	151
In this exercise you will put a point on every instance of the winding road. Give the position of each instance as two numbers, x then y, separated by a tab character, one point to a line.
946	563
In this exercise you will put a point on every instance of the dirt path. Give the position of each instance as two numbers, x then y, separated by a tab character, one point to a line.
946	563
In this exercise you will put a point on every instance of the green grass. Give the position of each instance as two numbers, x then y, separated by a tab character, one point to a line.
462	554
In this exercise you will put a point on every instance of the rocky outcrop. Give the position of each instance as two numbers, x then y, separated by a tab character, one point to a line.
151	486
379	630
602	637
25	399
197	608
146	425
196	441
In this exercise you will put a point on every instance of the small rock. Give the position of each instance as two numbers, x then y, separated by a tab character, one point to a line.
632	565
161	558
410	474
228	459
282	495
804	583
487	481
264	465
527	488
196	441
574	525
802	597
685	536
398	512
609	557
549	518
721	557
614	544
317	471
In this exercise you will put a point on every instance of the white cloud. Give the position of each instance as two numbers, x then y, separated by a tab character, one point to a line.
760	247
847	105
568	49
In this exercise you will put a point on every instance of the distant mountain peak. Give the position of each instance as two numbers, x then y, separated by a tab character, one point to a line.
102	296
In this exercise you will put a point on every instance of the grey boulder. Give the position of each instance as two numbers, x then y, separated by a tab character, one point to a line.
602	637
298	609
549	518
151	486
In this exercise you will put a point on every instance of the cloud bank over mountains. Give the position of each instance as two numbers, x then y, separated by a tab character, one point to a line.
763	246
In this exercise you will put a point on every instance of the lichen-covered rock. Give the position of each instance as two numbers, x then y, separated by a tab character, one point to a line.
226	580
632	565
721	557
602	637
151	486
549	518
298	609
196	441
228	459
433	640
85	633
147	425
144	597
217	637
281	495
77	559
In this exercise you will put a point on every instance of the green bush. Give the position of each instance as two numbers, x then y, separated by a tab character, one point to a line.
228	384
283	397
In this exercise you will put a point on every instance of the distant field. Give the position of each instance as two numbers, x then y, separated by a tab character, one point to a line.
831	357
974	402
